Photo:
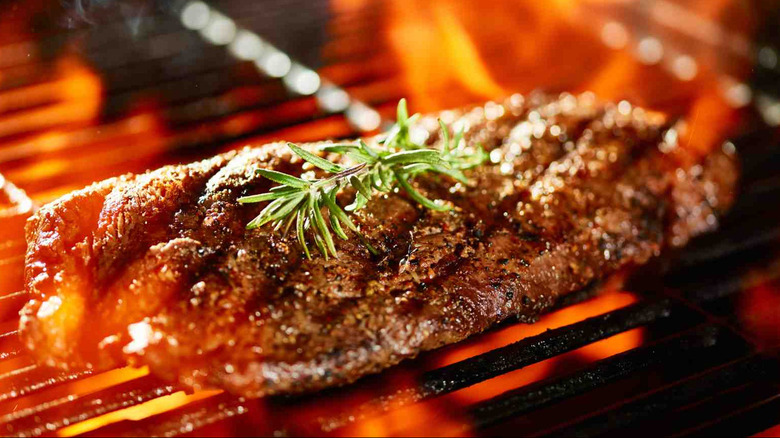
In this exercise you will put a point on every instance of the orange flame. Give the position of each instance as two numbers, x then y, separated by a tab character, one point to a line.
53	140
453	53
73	98
423	419
138	412
455	60
572	314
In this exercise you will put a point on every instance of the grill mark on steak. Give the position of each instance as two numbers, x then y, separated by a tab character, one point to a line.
467	268
471	230
122	232
211	304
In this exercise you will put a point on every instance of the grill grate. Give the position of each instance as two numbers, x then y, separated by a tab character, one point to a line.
168	96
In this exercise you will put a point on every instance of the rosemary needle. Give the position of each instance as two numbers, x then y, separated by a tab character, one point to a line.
302	201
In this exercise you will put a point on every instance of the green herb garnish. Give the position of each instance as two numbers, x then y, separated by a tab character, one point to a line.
383	169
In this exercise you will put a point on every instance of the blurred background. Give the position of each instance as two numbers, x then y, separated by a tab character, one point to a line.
91	89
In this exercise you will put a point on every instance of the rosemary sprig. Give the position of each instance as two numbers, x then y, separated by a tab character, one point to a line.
391	167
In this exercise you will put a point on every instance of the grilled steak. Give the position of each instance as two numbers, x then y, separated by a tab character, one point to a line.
159	270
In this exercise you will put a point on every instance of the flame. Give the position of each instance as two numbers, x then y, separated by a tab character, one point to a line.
73	98
78	149
63	394
444	415
138	412
492	340
569	315
759	311
52	141
440	56
62	153
771	432
424	419
453	54
709	121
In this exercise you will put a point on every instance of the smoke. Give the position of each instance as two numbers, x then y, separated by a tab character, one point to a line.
80	13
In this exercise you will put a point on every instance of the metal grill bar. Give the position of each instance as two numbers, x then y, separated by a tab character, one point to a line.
717	410
186	114
617	364
524	400
747	237
461	374
188	419
32	379
749	417
538	348
677	396
512	357
10	305
723	285
71	409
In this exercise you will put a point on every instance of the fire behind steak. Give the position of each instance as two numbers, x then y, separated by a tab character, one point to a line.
158	269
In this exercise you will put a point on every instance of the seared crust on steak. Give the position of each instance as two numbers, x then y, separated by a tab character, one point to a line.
159	270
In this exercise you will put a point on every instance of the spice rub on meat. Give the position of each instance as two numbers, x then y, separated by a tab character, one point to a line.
158	269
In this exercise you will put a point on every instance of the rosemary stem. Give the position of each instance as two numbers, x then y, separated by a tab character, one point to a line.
388	167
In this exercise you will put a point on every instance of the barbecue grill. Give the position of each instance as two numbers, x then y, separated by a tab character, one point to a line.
686	346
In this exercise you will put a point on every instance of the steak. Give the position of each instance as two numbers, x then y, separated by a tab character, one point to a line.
159	269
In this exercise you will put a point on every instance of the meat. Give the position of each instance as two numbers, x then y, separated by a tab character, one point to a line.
159	270
15	208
